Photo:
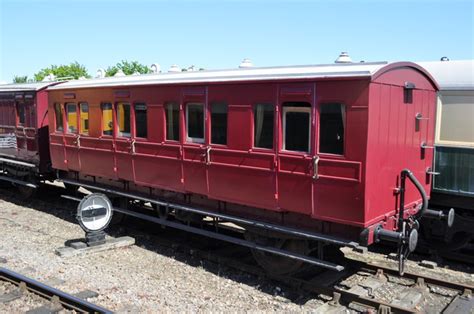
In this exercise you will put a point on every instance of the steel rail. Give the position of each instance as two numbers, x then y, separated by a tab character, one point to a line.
339	296
427	279
16	181
286	230
66	300
234	240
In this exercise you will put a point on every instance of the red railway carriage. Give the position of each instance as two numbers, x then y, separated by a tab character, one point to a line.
318	149
24	135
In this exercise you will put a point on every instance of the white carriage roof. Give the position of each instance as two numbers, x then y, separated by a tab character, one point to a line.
22	87
364	69
451	75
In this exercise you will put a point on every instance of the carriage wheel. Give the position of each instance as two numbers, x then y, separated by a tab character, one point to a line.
26	192
71	188
276	264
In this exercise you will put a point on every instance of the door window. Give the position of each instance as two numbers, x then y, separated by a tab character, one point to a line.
263	119
84	118
141	125
123	119
107	119
331	128
58	114
219	123
195	122
21	113
172	121
71	114
296	126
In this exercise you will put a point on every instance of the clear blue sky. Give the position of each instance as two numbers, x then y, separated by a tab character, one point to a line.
219	34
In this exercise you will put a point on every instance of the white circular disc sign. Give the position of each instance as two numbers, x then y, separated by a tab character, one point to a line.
94	212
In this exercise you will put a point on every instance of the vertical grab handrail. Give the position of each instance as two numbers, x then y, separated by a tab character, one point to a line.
404	174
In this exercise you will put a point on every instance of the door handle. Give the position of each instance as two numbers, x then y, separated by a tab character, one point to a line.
424	146
419	116
430	171
208	155
315	167
132	147
77	142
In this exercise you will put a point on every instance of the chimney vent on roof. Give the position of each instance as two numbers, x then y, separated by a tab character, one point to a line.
49	78
343	58
246	63
155	68
119	73
100	73
174	69
444	59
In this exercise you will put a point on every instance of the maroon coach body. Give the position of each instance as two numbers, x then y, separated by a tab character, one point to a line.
321	149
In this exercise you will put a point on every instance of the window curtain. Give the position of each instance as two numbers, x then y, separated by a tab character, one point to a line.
259	114
169	119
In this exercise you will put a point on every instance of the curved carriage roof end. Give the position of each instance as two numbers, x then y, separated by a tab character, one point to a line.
452	75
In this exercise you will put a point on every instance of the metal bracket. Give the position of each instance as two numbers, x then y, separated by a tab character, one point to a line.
430	171
423	145
315	167
419	116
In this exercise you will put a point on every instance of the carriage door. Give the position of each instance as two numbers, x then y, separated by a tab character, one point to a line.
295	158
196	151
21	127
124	145
71	137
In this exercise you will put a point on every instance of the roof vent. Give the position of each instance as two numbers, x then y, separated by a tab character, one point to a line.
119	73
174	69
343	58
100	73
49	78
155	68
444	59
246	63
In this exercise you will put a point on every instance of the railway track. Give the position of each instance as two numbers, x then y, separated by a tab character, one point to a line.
415	292
17	287
361	287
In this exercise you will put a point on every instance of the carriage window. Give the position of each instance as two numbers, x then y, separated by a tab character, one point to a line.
58	112
21	113
296	126
263	125
107	119
71	114
123	119
84	107
141	126
331	128
195	122
219	123
172	121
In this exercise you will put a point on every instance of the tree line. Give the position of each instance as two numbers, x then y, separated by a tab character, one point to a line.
75	71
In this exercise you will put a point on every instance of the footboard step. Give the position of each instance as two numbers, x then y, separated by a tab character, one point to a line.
79	246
